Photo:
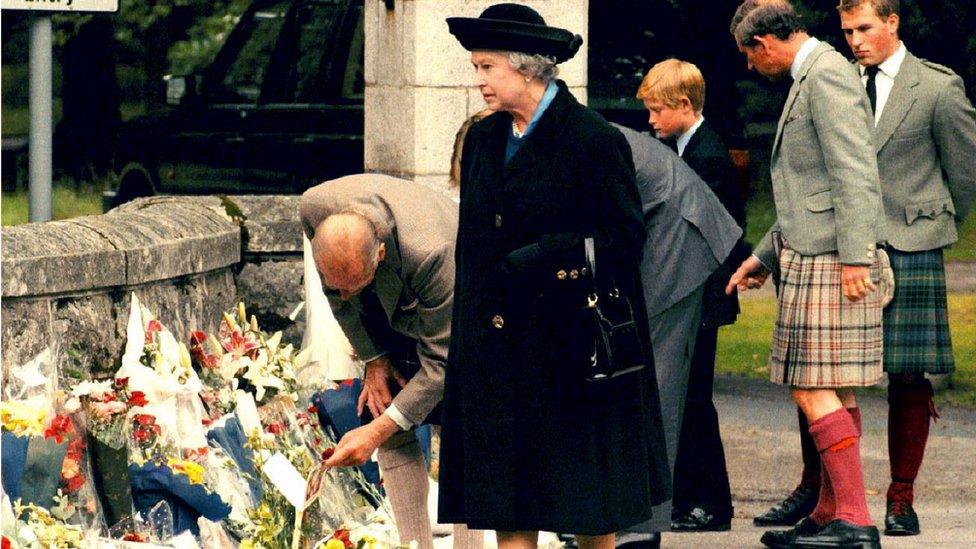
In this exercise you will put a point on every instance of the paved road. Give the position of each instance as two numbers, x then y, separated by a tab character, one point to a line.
762	448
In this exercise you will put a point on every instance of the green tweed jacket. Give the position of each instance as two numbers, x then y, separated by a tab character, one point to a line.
824	170
926	140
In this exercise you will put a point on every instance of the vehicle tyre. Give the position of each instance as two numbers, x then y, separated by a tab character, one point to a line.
134	181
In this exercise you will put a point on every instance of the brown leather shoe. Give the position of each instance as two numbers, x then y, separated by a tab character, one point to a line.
789	511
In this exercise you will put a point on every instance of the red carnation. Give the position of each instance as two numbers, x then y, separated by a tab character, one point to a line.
137	398
145	419
74	483
313	409
5	544
121	382
275	428
327	453
151	329
197	337
60	427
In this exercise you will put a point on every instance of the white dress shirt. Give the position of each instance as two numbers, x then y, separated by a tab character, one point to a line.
885	79
685	137
801	55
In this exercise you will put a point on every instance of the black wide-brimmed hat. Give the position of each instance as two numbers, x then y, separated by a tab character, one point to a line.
512	27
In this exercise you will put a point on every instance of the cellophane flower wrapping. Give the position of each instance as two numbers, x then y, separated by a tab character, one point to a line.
30	526
167	444
77	500
35	432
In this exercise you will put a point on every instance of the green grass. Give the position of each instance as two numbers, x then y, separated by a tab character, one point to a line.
68	203
761	213
16	119
743	348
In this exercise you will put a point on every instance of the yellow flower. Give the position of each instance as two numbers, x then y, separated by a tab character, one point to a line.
335	544
193	471
23	418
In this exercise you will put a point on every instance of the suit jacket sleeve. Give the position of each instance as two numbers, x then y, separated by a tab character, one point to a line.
350	319
955	136
433	283
840	116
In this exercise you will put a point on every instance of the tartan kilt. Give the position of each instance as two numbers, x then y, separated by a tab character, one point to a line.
822	340
916	323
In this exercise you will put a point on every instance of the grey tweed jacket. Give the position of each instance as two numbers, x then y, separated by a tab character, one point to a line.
415	280
689	231
926	141
824	170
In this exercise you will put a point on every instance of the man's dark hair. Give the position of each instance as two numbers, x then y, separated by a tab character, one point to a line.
883	8
761	17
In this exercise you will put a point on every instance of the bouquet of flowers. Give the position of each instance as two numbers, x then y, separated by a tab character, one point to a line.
258	362
34	436
168	449
103	405
31	526
77	500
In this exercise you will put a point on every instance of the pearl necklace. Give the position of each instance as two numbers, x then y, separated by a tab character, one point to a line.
515	130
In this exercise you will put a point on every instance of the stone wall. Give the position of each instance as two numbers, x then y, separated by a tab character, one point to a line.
67	283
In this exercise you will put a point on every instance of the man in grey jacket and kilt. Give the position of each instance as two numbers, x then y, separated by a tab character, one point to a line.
925	137
824	245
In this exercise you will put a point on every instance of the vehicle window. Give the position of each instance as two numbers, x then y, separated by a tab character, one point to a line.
244	76
318	23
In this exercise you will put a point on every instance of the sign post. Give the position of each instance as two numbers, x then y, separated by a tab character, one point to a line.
41	113
41	121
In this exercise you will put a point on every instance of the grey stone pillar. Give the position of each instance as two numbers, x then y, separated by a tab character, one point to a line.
420	83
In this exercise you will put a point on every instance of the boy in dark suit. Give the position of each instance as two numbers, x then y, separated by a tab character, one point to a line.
673	91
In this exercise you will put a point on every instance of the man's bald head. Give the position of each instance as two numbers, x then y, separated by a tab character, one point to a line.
347	251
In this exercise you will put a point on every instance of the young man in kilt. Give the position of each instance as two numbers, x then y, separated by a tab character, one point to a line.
925	135
828	337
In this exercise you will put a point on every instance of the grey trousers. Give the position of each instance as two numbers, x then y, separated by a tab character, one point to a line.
673	334
405	479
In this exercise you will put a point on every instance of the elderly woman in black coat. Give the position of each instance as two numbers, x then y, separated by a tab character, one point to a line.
528	443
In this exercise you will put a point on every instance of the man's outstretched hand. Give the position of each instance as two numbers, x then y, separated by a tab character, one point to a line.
750	275
359	444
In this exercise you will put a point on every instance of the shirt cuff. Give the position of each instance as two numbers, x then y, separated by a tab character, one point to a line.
372	358
397	416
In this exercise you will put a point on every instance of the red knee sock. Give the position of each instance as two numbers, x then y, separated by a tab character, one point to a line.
836	436
827	505
909	408
811	457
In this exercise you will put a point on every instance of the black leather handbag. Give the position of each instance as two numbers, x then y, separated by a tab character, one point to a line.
617	349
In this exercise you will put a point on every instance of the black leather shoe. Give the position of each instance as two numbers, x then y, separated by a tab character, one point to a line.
700	520
789	511
901	520
839	533
781	539
639	541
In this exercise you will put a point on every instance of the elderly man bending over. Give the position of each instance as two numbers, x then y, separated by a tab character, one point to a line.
384	248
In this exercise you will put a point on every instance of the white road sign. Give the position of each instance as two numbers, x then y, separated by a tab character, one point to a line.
61	5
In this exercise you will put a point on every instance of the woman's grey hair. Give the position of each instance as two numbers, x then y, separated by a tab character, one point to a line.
762	17
534	65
